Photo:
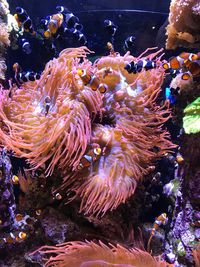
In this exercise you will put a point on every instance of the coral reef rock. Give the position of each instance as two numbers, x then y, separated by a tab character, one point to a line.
184	20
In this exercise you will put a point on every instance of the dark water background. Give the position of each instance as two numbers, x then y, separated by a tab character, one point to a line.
143	19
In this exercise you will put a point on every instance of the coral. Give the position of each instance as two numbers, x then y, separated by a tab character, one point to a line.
96	255
184	19
191	120
4	8
4	36
3	68
7	198
126	123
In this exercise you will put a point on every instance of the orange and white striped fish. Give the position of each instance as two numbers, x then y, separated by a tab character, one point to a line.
160	220
91	156
182	60
92	81
14	237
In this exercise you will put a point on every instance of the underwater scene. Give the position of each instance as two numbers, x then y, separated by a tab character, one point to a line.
100	133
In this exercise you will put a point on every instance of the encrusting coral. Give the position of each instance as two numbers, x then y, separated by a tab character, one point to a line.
191	120
89	254
125	122
184	19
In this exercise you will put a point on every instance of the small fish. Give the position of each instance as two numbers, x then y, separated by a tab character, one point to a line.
156	178
179	158
15	179
173	72
21	76
129	43
80	37
21	236
70	19
47	104
10	238
91	156
194	68
25	45
38	212
110	48
44	23
135	67
24	20
53	25
170	95
19	217
62	9
15	237
186	76
110	27
160	220
92	81
58	196
184	59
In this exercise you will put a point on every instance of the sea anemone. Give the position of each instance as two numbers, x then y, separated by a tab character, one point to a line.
89	254
125	122
196	255
61	136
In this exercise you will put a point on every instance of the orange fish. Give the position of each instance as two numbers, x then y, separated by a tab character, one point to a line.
186	76
194	68
92	156
110	48
160	220
92	80
53	25
183	60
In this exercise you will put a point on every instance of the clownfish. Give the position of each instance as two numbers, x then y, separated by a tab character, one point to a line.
47	101
70	19
53	25
19	217
179	159
186	76
110	27
194	68
22	76
24	20
173	72
91	156
160	220
92	81
79	36
15	179
110	48
129	43
25	46
12	238
183	60
135	67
